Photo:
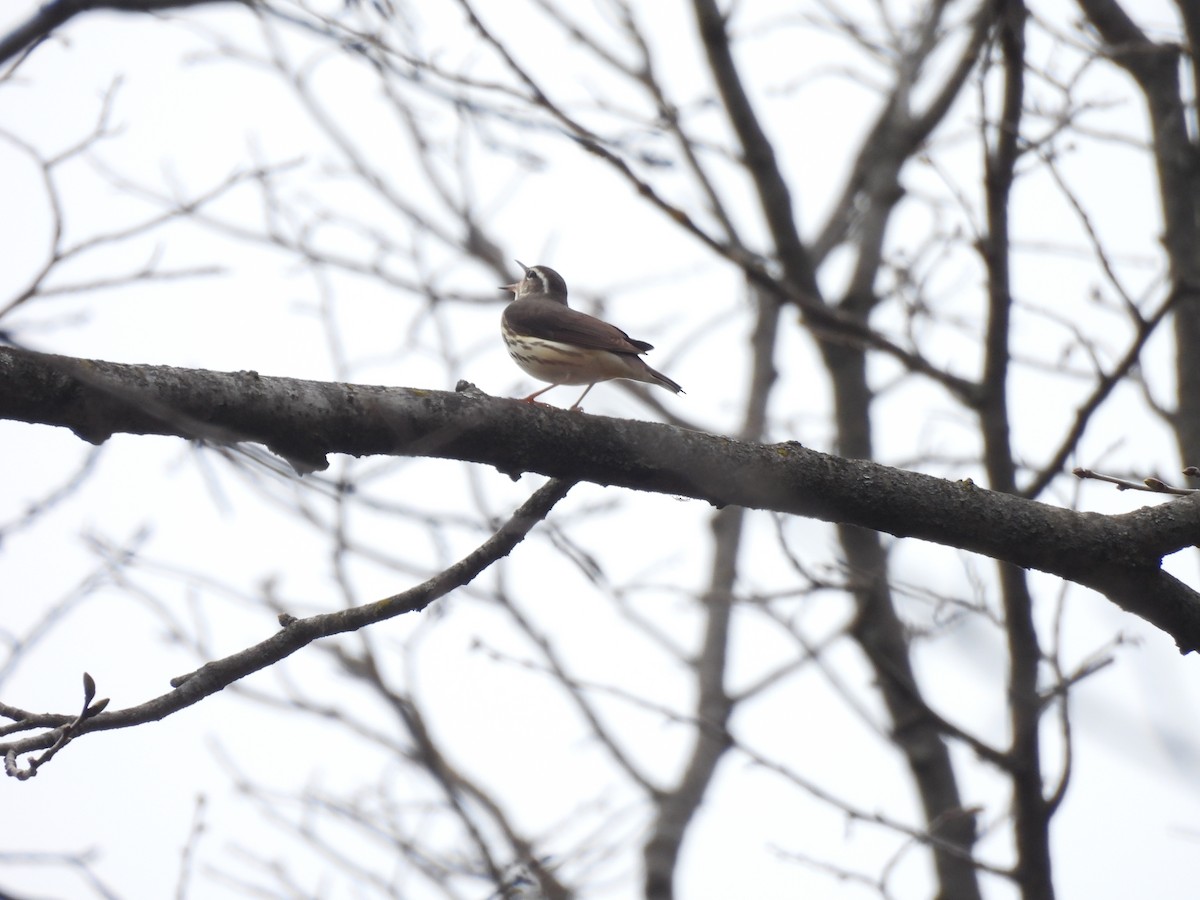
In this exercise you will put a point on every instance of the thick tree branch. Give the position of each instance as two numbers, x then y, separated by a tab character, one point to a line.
56	13
1155	66
1119	556
1031	812
757	152
715	707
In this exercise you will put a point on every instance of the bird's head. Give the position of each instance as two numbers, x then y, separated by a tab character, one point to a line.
538	280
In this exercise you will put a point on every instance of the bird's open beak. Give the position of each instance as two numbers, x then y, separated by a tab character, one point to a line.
516	284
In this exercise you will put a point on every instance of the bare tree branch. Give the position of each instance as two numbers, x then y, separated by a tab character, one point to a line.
56	13
57	730
1119	556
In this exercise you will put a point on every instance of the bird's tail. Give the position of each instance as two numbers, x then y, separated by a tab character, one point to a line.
662	379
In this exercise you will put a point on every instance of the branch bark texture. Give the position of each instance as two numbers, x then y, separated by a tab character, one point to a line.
303	421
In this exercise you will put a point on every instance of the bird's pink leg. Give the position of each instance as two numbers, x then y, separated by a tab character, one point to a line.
581	396
532	398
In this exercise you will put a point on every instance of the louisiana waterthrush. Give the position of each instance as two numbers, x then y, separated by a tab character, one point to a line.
555	343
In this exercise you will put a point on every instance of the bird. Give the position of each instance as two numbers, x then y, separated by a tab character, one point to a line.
555	343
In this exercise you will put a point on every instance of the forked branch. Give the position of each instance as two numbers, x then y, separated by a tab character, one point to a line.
54	731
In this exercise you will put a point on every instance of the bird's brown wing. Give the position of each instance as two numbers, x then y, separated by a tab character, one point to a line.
555	322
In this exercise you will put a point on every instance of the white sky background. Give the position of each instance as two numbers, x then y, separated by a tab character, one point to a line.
1130	825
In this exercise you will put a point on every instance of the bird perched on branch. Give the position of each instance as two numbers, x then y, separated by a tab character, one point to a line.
555	343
